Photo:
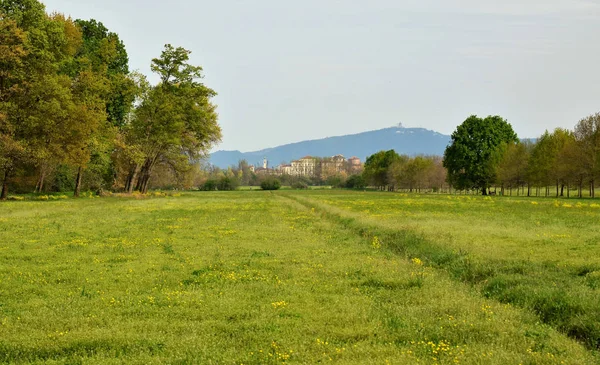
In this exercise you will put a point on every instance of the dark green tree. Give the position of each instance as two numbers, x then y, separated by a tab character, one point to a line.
474	153
377	167
270	183
106	54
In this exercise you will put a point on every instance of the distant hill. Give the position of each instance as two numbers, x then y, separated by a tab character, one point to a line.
409	141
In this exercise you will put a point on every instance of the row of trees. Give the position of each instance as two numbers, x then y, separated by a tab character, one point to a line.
486	152
71	110
388	170
562	158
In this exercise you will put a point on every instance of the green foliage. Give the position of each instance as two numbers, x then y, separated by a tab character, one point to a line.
336	181
227	183
62	179
418	172
475	151
209	185
270	183
356	182
300	185
28	14
66	98
106	54
512	169
175	120
377	166
587	134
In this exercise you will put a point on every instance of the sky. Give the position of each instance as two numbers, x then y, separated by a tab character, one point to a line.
288	71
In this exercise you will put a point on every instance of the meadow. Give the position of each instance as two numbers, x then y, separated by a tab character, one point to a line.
254	277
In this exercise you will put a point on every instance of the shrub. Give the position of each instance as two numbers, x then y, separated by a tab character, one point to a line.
300	185
227	184
336	181
270	184
209	185
356	182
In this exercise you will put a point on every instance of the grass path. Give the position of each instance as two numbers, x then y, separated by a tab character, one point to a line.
564	293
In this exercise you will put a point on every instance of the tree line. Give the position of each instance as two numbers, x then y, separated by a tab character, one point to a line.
72	114
486	153
560	160
391	171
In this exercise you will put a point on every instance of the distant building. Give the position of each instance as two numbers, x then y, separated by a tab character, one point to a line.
312	166
285	169
333	165
305	166
354	164
264	170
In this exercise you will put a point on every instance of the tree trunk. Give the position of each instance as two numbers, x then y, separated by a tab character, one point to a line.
40	184
78	182
4	194
484	191
562	190
580	188
568	190
528	190
144	189
42	181
557	184
129	183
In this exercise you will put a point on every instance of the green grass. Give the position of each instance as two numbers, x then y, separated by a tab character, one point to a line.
539	254
256	277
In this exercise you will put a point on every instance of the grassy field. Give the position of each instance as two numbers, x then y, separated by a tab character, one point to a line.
255	277
539	254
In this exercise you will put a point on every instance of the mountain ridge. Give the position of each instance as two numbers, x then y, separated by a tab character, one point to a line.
409	141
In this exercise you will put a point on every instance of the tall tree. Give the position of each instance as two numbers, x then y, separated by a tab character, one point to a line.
376	170
542	161
35	110
587	134
107	55
473	155
512	168
176	118
12	72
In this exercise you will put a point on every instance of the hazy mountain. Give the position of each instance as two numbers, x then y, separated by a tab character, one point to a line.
409	141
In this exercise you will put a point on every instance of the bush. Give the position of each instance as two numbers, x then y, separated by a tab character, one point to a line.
62	179
356	182
336	181
209	185
270	184
300	185
227	184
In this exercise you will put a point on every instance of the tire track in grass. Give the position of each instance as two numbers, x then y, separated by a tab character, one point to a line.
554	296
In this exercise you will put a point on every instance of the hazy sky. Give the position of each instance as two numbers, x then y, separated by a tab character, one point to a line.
287	71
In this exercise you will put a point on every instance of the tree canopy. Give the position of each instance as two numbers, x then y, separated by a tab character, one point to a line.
376	168
474	152
68	105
